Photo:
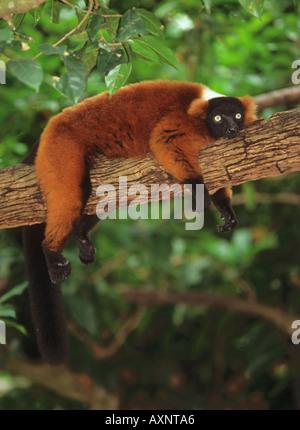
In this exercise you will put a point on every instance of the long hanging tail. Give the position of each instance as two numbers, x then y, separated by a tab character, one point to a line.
46	300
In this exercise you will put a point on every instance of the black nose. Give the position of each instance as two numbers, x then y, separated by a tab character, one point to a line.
232	131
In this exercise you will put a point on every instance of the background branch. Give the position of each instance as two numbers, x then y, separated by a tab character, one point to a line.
78	387
284	97
276	316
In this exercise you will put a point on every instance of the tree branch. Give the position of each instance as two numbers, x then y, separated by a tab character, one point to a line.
285	97
276	316
88	13
263	149
78	387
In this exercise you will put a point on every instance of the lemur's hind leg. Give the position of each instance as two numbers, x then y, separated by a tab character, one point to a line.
85	224
61	170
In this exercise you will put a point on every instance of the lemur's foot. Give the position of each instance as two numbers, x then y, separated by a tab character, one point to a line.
58	267
229	217
86	250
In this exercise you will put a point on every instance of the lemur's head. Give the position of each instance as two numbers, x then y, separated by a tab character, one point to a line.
225	117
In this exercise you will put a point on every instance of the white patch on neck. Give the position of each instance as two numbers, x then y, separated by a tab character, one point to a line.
208	94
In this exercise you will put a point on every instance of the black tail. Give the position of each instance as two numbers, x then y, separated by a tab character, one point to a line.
46	300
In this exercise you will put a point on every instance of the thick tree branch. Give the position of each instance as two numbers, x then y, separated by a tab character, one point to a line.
263	149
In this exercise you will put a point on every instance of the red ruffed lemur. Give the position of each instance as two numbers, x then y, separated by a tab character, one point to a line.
173	120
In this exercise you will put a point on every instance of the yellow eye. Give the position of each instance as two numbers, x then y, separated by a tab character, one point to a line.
217	118
238	116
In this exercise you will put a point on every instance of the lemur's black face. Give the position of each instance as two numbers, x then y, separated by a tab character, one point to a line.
225	116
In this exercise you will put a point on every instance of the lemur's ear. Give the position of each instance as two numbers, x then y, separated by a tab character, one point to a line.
199	108
249	107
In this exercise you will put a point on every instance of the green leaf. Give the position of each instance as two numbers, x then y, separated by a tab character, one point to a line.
117	77
37	13
108	59
73	83
48	49
163	52
207	5
152	23
129	55
15	325
55	11
14	44
255	7
79	37
64	87
103	3
16	291
2	47
23	36
89	58
111	22
7	311
131	24
18	19
95	25
142	50
27	71
5	34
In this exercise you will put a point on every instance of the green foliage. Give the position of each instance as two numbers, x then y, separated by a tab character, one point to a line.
73	82
8	311
153	44
26	71
255	7
151	22
48	49
109	58
117	77
95	25
102	32
131	24
5	34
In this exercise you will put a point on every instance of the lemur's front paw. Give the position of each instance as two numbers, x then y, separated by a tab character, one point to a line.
227	226
230	221
58	267
86	250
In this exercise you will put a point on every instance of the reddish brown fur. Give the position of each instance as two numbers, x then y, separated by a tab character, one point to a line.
167	118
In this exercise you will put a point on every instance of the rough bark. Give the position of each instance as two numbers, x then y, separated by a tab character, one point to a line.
263	149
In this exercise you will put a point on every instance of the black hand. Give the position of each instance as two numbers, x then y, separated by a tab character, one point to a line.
227	215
